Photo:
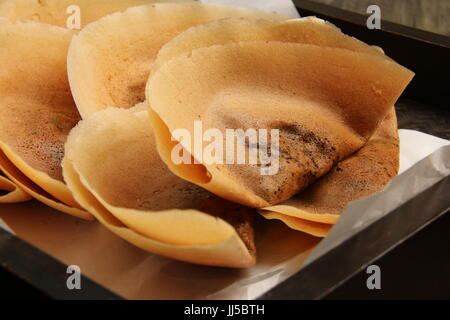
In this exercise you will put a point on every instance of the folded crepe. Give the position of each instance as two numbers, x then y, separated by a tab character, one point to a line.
363	173
310	30
10	192
110	60
56	12
316	229
136	196
36	110
324	94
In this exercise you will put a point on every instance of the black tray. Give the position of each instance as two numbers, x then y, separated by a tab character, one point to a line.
424	106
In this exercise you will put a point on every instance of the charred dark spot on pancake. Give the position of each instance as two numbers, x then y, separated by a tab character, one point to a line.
298	133
304	156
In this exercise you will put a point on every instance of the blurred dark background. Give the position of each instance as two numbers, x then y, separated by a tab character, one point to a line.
429	15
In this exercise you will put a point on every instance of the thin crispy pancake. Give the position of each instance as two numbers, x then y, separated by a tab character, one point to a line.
316	229
36	108
10	192
117	51
55	11
363	173
161	212
310	30
326	103
31	188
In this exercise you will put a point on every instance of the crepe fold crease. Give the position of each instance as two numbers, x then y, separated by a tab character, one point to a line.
324	92
36	111
137	197
10	192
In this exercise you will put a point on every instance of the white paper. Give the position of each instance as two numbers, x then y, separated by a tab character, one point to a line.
4	226
285	7
415	145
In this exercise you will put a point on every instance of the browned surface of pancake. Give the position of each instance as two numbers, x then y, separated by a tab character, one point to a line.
36	108
361	174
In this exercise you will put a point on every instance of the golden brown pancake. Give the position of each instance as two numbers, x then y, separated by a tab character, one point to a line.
316	229
10	192
117	51
363	173
36	108
325	102
310	30
31	188
135	195
56	11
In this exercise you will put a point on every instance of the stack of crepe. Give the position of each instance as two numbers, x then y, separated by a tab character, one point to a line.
87	120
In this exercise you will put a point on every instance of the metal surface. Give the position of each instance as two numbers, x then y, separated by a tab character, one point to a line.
424	107
44	272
